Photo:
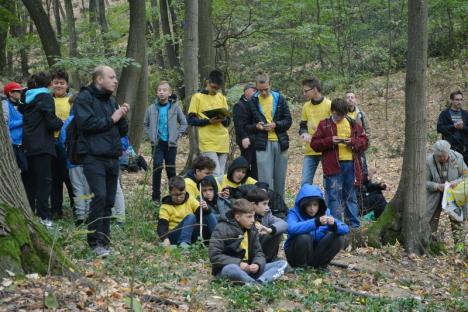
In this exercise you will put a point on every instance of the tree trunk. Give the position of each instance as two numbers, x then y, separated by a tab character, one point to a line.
93	11
156	33
25	246
404	217
44	29
133	80
104	26
319	46
168	43
24	18
175	28
3	44
205	35
58	22
191	70
72	42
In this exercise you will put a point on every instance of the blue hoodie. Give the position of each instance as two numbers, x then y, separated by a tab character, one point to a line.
300	223
15	123
32	93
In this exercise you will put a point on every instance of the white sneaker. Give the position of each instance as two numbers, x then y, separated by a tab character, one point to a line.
47	223
101	252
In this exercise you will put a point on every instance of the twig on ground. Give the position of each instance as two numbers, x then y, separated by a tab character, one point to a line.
357	293
154	299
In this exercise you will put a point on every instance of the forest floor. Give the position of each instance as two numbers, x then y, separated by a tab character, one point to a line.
174	280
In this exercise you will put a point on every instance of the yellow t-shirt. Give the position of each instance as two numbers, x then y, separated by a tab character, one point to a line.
226	182
343	129
267	108
212	137
191	188
62	110
313	114
176	213
245	245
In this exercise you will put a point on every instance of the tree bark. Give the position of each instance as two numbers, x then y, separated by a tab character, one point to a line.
93	11
72	42
58	22
191	70
156	33
104	26
175	28
44	29
206	61
168	42
25	246
133	79
404	219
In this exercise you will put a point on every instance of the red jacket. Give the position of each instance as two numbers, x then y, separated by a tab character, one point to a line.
322	142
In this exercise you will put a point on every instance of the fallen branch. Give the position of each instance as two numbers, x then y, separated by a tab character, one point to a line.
154	299
357	293
344	266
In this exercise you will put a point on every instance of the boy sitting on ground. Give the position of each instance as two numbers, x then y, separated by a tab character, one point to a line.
269	227
314	236
238	174
209	198
235	251
202	166
177	223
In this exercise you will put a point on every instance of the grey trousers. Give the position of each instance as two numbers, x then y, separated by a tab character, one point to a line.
272	165
81	192
119	205
220	160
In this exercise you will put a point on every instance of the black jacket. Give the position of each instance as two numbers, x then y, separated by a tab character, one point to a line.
39	124
98	135
458	138
242	117
282	118
225	243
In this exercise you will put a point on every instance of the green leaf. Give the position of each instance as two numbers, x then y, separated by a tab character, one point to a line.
134	305
51	301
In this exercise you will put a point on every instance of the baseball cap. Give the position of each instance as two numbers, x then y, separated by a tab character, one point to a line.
12	86
249	85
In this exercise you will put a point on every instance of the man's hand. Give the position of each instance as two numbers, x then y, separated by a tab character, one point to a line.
254	268
306	137
323	219
336	139
459	125
216	120
245	143
166	242
270	127
330	220
244	266
454	183
263	230
120	112
440	187
260	126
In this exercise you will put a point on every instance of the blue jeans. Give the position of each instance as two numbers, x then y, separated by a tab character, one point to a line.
341	194
164	156
309	166
271	272
185	231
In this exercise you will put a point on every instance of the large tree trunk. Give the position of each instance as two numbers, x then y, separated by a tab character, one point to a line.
168	40
104	26
205	35
93	11
133	80
72	42
8	6
156	33
44	29
25	245
58	22
191	70
404	217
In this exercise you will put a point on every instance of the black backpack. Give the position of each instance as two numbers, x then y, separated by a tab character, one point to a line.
71	143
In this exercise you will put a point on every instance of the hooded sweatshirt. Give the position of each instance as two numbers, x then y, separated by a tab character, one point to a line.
300	223
238	163
218	205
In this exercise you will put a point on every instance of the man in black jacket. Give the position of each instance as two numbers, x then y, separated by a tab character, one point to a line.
241	119
101	123
270	121
453	125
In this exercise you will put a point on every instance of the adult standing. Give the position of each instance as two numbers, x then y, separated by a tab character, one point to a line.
453	125
213	135
443	165
314	110
101	123
242	117
39	124
271	120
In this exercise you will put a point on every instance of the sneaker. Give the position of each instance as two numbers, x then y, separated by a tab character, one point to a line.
101	252
47	223
184	245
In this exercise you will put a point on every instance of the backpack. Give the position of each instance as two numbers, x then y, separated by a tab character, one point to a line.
71	142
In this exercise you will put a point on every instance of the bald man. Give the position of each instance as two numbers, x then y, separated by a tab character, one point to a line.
100	122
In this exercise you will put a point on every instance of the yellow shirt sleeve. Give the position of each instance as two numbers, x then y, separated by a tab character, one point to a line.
165	212
303	113
193	203
194	104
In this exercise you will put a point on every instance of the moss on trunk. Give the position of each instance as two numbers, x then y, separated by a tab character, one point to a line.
385	230
26	249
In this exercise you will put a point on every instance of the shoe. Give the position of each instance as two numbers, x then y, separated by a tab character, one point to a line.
47	223
101	252
184	245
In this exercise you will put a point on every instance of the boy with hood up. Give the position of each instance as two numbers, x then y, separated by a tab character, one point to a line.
238	174
314	236
210	199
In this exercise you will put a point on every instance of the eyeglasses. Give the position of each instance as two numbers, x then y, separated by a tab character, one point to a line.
458	100
305	91
17	91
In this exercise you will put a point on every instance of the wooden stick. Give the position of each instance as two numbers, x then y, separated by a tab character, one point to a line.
201	215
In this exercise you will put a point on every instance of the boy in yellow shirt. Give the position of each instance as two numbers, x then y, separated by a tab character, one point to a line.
202	167
238	174
314	110
213	135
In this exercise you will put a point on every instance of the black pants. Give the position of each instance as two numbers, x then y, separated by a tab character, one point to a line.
270	246
304	252
163	156
41	183
251	157
22	162
102	175
60	176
